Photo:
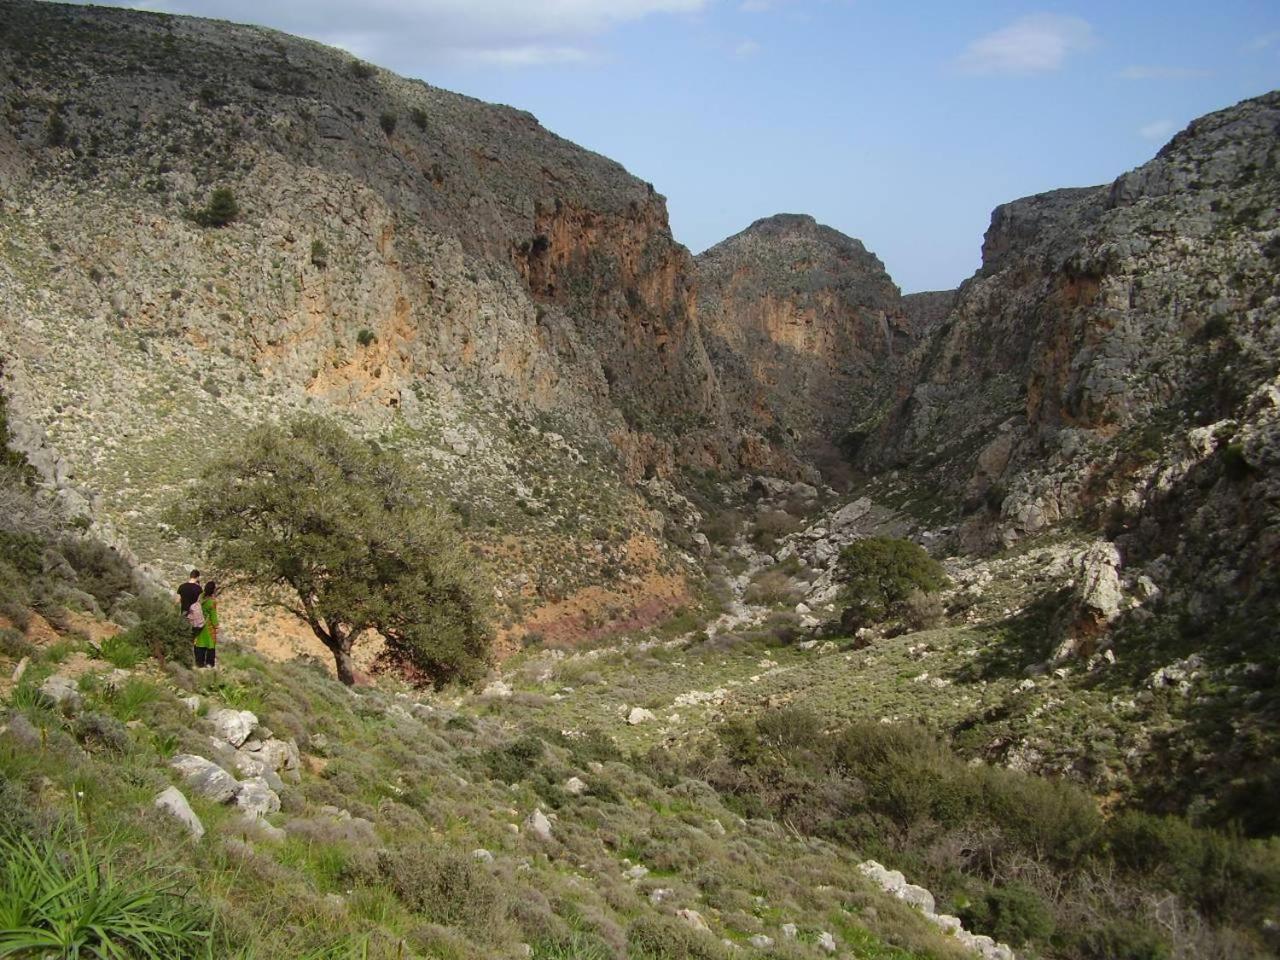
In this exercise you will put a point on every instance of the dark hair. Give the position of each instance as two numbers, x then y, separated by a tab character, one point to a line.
195	574
210	588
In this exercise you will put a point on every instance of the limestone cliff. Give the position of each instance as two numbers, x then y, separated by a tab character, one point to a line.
1114	363
804	327
507	308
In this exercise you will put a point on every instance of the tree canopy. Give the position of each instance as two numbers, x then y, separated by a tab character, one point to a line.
881	573
342	535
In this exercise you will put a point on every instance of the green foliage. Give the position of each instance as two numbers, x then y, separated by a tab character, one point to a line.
346	538
1013	913
100	570
129	701
59	899
388	123
666	938
221	210
445	887
1234	463
419	117
120	652
880	573
95	731
319	254
1123	940
361	70
516	761
366	337
55	130
14	468
161	630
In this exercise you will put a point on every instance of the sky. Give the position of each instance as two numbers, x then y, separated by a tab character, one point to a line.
900	123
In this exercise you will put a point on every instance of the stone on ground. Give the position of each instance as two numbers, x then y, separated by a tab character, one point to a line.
172	802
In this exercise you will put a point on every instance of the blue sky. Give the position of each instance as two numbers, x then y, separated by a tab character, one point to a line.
900	124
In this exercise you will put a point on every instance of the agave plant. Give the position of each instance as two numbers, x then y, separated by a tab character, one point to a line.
60	900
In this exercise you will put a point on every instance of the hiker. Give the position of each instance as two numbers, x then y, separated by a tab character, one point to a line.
206	638
189	592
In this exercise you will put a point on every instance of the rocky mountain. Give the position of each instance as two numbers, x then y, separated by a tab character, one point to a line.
803	327
508	309
1114	361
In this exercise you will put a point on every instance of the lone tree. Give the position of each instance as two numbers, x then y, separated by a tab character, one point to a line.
221	210
880	574
341	535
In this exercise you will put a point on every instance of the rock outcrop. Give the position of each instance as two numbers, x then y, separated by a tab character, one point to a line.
1114	362
804	327
506	308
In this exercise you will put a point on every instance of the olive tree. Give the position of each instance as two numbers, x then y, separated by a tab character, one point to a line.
880	574
341	534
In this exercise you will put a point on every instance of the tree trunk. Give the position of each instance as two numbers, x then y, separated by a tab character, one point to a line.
342	659
339	644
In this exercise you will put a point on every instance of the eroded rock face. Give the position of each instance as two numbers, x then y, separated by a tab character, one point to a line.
1117	340
803	325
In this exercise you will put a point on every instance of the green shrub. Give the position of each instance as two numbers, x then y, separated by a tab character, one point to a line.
445	887
161	629
908	774
128	701
59	899
769	587
119	652
923	611
55	130
1013	913
419	117
23	551
388	123
788	730
1052	820
100	570
97	731
221	209
1215	328
15	595
1220	874
880	573
771	526
319	254
366	337
666	938
361	70
1123	940
516	761
1234	463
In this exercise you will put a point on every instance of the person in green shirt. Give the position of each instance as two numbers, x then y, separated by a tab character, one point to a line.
206	641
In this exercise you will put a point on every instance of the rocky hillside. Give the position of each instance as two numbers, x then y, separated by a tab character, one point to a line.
803	326
447	276
1105	327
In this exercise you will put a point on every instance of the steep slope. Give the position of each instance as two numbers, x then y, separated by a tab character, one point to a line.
803	327
452	279
1114	337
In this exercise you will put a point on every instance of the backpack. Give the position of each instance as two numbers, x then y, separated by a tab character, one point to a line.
195	616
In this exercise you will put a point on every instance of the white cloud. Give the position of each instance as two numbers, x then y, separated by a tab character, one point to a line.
1262	41
746	48
1157	130
530	55
1163	73
1036	44
403	34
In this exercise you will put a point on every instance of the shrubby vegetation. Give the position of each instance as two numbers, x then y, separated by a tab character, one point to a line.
1026	859
221	210
342	536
